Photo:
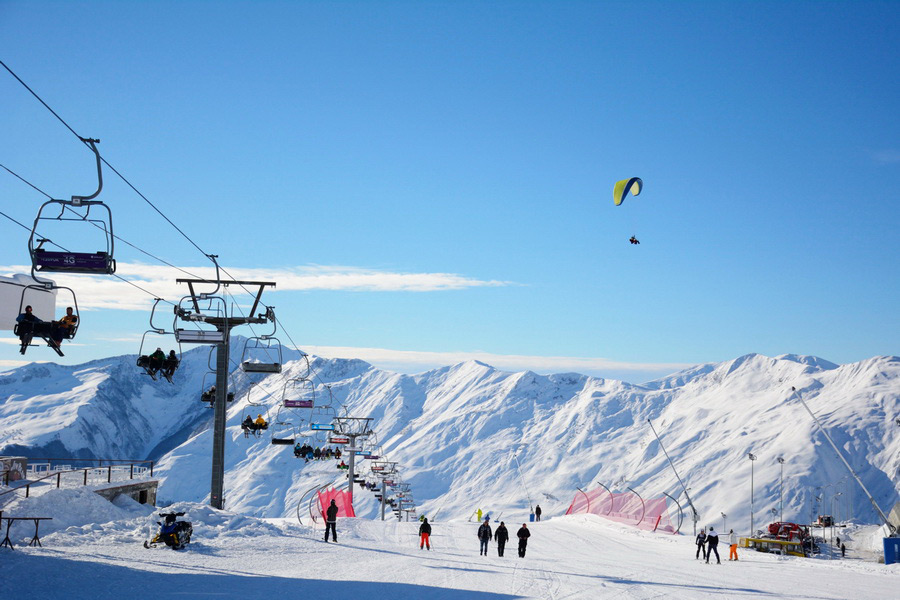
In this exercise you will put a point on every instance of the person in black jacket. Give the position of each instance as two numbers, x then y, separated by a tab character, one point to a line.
712	541
501	535
523	534
701	544
484	536
424	534
537	512
331	521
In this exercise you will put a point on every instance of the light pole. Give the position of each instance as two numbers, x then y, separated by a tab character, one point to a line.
752	458
833	498
781	489
724	524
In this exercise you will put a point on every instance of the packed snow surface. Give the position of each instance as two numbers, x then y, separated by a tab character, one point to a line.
93	550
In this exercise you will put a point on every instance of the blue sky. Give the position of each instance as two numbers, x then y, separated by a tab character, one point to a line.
432	181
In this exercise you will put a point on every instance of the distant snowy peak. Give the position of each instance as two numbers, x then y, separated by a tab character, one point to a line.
819	364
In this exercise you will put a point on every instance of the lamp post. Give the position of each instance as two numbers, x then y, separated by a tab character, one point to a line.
724	525
752	458
781	488
833	498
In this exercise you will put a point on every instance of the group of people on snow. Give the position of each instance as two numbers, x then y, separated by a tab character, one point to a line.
307	452
708	543
501	536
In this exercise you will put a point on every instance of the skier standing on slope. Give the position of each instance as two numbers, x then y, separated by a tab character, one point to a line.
331	521
424	534
712	540
523	534
701	544
537	512
501	535
733	542
484	536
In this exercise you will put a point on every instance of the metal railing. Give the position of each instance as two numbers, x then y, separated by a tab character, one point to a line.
59	474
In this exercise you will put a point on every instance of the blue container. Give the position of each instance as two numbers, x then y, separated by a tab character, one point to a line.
531	517
891	550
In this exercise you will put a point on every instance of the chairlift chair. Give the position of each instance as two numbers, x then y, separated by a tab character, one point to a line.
207	386
76	210
266	347
299	392
283	432
46	330
200	309
143	359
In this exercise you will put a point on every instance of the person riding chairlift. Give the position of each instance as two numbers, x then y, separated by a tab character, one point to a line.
26	331
63	328
157	359
170	364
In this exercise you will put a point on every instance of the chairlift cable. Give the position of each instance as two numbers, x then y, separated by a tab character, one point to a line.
33	93
86	142
26	182
25	227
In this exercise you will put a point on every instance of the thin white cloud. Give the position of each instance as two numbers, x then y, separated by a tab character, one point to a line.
408	361
147	281
887	156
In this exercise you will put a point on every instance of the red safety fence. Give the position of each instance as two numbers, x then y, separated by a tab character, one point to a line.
651	514
341	499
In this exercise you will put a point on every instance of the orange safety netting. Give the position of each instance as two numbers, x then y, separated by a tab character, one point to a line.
341	499
624	507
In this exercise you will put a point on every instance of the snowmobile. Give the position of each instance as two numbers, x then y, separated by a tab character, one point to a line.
172	533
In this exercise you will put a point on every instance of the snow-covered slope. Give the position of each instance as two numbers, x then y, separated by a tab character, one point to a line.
97	555
456	430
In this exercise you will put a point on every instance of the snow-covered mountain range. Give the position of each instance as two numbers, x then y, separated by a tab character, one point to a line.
469	436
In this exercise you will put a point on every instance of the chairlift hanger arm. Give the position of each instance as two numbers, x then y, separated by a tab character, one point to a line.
78	200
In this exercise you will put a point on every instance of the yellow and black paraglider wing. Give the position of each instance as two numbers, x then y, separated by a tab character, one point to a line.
633	185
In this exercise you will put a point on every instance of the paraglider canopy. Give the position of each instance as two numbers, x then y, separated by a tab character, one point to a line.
621	189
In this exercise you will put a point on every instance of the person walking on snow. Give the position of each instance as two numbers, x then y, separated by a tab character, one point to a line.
733	542
712	541
701	544
424	534
478	515
537	512
331	521
501	535
484	536
523	534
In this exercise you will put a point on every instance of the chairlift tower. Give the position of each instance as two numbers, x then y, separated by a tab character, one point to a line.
353	428
384	469
212	310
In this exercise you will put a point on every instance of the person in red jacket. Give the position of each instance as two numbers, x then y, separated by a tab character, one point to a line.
424	534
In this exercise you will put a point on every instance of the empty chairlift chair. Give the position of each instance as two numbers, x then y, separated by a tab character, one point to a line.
263	354
65	217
